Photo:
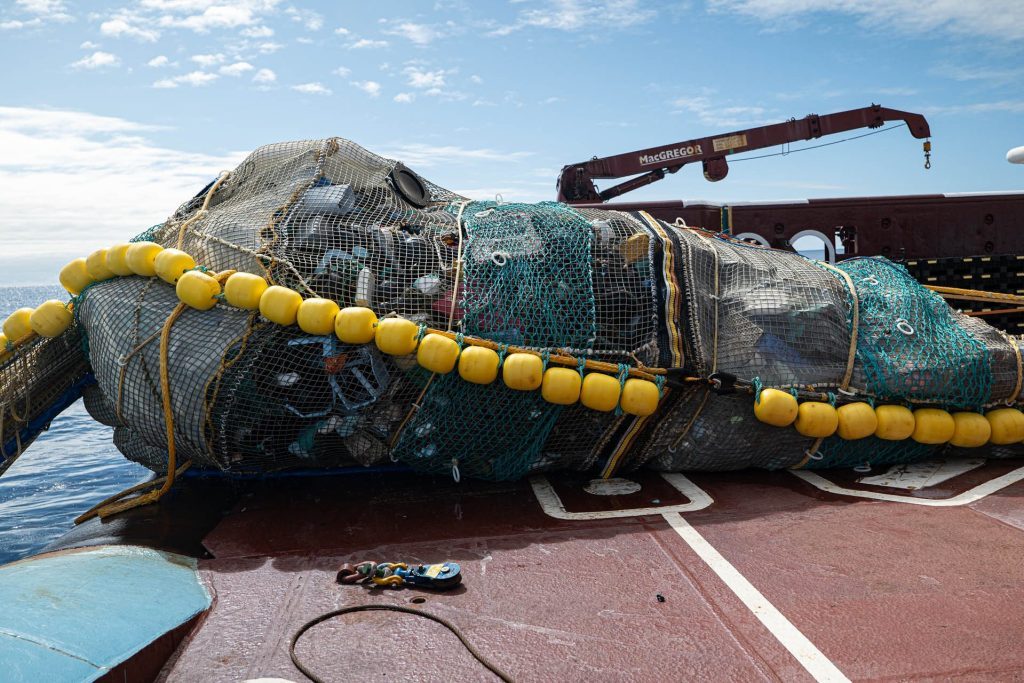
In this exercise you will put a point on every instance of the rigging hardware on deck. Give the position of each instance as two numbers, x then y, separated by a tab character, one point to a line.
576	182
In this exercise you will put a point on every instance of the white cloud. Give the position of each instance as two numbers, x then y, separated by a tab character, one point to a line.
158	62
105	163
999	19
714	114
236	69
342	71
308	18
476	79
365	43
97	60
208	60
579	15
264	76
1009	106
371	88
41	11
121	26
421	78
419	34
269	48
257	32
88	45
194	78
312	89
341	31
422	154
405	97
215	16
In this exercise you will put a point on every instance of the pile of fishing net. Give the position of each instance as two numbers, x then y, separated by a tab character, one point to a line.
714	320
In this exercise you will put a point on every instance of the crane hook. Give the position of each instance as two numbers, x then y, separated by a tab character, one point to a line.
927	154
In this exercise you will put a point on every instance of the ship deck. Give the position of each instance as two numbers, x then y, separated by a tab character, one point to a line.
913	574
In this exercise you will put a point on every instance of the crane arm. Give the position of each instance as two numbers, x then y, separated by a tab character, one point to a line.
576	182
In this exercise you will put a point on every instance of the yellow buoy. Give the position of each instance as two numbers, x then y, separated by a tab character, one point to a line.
639	397
775	407
170	264
478	365
1007	425
895	423
198	290
316	316
600	392
932	426
561	386
970	430
17	325
856	421
243	290
396	336
816	420
75	277
141	258
117	260
355	325
280	305
438	353
522	371
50	319
3	346
96	266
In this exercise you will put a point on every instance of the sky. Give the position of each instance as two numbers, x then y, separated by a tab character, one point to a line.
113	113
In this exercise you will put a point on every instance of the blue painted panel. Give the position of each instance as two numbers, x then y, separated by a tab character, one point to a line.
96	607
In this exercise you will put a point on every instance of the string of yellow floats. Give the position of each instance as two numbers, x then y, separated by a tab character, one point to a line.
607	387
633	390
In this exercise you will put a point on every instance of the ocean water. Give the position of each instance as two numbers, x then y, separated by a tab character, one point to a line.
66	471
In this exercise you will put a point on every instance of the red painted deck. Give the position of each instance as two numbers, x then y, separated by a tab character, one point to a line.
876	589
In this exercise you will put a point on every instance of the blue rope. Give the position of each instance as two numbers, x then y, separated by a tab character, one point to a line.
758	388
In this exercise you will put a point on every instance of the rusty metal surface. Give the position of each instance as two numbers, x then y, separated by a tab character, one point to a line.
886	591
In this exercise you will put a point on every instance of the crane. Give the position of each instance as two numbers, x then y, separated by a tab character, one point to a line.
576	181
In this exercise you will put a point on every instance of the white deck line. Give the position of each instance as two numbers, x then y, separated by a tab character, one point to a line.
810	657
553	506
969	496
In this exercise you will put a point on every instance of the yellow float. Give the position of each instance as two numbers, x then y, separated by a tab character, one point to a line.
438	353
775	407
396	336
895	423
243	290
932	426
198	290
171	264
856	421
478	365
316	316
970	430
96	266
639	397
816	420
280	305
1007	425
117	260
74	277
50	319
522	371
600	392
561	386
355	325
141	258
17	325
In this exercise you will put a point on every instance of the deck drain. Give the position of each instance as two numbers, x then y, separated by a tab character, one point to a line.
418	600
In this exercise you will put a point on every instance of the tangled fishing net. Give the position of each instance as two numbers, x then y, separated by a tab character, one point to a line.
330	219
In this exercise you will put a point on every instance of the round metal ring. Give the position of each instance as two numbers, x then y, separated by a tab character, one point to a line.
816	455
904	327
499	258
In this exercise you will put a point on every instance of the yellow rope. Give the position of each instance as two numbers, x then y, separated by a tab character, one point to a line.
692	421
201	212
855	324
1020	367
974	294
